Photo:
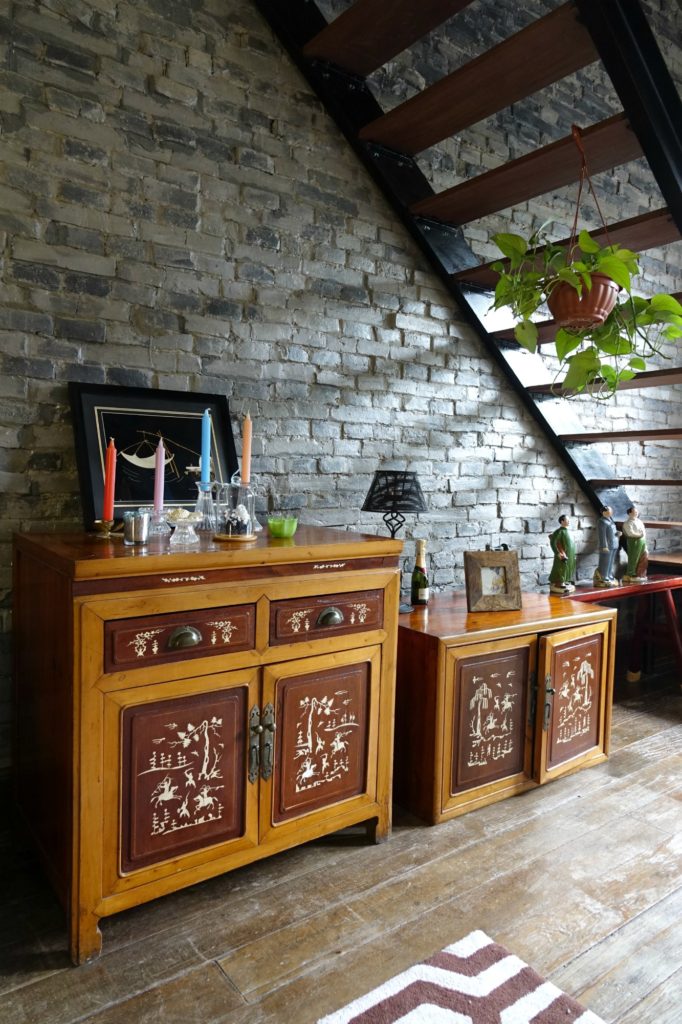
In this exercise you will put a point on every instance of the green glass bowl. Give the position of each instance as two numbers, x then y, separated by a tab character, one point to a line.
282	525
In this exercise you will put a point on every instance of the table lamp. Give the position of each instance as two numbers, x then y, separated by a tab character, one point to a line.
394	492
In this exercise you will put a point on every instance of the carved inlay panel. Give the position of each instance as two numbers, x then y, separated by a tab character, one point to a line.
321	752
576	680
183	775
490	714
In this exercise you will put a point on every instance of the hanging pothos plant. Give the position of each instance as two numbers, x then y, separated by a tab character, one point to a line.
604	334
595	349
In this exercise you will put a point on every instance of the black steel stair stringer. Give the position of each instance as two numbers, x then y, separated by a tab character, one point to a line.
634	63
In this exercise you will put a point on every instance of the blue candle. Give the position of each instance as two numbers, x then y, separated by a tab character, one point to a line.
206	447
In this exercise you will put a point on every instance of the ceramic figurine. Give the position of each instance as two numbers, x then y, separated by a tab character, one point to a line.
607	539
562	575
635	541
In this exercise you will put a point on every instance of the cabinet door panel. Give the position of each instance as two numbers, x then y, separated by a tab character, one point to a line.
183	779
572	715
325	747
487	726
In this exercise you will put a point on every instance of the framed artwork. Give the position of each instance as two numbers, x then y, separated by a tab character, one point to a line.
492	581
137	418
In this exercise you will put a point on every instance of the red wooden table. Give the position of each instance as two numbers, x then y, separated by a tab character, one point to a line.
644	593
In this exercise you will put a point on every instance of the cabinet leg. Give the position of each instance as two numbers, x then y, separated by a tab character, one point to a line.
86	937
378	829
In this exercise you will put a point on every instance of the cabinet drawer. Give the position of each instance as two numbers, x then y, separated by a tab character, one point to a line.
330	615
154	639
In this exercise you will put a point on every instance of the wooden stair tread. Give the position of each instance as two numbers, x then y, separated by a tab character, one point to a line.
549	49
607	144
646	379
665	558
647	231
371	32
546	332
661	524
662	434
637	483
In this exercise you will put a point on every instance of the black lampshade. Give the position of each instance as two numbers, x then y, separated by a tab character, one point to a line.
394	492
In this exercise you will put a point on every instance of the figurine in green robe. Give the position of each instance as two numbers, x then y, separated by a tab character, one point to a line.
562	575
635	539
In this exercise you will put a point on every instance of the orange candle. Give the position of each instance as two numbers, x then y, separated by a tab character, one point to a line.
109	481
247	433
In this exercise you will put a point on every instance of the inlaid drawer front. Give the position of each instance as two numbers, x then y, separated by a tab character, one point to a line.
331	614
154	639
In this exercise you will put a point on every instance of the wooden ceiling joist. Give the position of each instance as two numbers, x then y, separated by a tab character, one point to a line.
371	32
546	51
607	144
648	231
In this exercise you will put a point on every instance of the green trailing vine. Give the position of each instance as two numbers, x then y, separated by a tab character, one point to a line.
594	359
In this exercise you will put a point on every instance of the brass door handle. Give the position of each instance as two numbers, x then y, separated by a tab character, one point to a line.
331	616
255	733
267	742
184	636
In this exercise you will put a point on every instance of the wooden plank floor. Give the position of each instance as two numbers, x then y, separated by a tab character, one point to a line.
581	878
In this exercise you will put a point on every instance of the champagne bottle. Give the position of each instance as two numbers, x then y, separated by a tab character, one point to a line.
420	581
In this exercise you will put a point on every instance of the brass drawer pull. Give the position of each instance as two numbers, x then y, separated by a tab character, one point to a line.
184	636
331	616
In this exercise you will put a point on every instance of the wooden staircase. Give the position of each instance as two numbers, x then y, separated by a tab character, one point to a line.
337	57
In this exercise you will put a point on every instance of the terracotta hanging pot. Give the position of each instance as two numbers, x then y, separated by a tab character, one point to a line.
579	312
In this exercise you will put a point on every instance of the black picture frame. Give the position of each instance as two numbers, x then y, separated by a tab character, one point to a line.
136	418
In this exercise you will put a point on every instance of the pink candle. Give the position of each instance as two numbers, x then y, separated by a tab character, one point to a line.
247	432
109	481
159	471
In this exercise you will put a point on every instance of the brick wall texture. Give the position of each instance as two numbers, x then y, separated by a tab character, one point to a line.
178	211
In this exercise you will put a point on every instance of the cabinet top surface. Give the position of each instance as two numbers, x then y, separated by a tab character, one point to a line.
446	616
83	556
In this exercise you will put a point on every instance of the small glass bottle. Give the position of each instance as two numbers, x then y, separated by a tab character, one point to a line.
420	581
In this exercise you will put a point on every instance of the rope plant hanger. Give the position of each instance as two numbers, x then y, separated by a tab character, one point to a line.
604	332
588	306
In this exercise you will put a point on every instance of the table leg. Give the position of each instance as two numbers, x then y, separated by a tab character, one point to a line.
674	624
634	672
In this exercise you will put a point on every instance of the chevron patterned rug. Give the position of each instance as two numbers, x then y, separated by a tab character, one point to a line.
474	981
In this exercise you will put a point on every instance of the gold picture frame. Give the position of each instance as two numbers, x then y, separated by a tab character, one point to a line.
492	581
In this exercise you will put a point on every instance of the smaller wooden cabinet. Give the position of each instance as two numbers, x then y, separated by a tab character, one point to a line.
492	704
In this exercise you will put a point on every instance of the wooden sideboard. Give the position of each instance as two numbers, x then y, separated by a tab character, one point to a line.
181	714
494	703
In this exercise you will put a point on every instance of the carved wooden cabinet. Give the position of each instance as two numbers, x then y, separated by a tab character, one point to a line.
492	704
179	715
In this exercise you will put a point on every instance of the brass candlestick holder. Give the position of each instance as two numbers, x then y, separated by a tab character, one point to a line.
106	530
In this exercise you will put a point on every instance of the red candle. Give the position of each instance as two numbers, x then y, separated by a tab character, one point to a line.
109	481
